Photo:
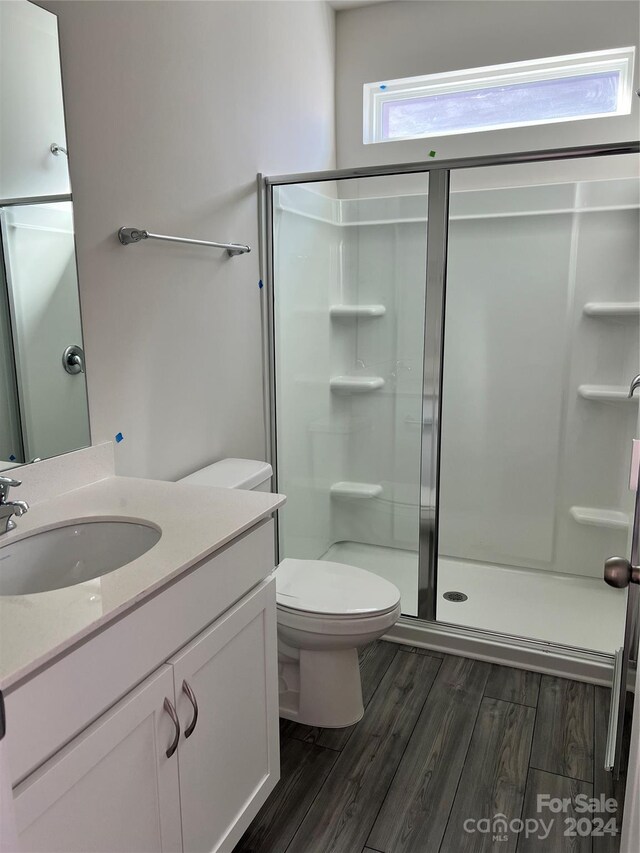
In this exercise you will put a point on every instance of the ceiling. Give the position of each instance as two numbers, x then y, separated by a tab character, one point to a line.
351	4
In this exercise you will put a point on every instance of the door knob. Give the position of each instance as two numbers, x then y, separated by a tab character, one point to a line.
619	572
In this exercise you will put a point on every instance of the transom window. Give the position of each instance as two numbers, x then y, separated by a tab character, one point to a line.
540	91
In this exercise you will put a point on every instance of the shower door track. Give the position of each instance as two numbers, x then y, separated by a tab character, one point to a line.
506	649
514	158
437	246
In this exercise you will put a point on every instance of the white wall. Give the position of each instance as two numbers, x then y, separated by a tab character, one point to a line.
172	108
31	98
403	39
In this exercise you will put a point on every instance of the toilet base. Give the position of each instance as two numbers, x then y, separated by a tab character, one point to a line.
320	688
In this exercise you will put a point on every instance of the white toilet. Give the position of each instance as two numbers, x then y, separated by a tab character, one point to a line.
326	612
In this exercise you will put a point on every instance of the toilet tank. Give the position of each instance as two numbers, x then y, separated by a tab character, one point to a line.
248	474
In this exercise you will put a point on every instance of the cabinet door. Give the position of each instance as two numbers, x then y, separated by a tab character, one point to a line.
230	762
112	789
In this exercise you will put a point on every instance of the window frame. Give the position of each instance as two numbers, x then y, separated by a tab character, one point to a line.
376	95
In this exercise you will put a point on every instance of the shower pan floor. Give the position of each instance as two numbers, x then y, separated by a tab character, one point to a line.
568	609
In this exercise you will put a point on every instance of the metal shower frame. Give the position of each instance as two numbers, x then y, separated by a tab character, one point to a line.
437	247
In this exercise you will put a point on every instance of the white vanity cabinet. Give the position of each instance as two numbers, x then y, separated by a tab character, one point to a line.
113	788
230	761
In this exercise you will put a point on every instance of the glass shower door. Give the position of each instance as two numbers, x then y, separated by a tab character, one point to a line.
348	310
540	339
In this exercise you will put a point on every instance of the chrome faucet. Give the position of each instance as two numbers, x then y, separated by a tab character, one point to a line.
635	383
7	507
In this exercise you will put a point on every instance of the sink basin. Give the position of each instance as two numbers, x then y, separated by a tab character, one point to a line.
71	554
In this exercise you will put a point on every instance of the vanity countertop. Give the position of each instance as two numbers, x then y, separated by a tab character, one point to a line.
195	522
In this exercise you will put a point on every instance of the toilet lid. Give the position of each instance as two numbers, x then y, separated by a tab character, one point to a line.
316	586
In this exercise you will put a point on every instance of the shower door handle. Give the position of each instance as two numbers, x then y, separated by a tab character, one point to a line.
619	573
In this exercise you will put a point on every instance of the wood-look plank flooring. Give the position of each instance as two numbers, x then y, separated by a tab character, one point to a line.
563	741
553	835
513	685
346	807
415	812
495	771
446	745
303	770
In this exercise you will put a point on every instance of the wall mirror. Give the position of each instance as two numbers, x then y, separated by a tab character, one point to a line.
43	396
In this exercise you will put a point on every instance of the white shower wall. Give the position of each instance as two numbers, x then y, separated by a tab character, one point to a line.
526	458
521	449
338	252
307	258
385	264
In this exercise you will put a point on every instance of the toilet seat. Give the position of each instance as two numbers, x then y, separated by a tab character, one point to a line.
324	591
339	628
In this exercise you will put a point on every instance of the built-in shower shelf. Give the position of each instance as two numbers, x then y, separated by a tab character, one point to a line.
349	311
356	384
605	393
362	491
612	309
595	517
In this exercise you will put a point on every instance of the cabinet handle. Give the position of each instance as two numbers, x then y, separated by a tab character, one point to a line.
171	711
186	689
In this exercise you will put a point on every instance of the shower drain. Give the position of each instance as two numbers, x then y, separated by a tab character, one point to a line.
455	596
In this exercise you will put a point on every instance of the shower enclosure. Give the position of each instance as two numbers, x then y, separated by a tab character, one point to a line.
450	346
